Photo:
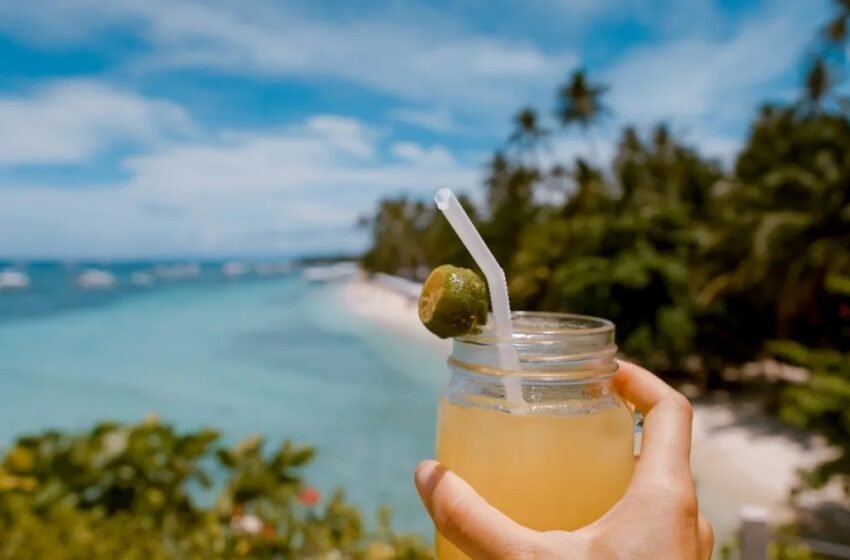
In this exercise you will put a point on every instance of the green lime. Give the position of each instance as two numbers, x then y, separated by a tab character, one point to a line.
453	301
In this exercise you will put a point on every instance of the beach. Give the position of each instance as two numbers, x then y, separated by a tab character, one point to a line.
323	363
740	457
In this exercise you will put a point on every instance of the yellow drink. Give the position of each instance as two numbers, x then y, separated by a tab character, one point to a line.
544	470
565	455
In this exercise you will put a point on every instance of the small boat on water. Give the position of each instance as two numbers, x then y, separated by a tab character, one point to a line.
95	278
330	273
11	279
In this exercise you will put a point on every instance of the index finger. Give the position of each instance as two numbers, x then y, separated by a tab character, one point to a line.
667	415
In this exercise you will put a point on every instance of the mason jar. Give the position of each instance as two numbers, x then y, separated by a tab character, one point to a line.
561	455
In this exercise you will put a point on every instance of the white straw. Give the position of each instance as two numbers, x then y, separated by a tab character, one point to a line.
471	239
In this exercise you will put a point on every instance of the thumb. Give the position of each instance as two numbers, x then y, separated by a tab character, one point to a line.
466	519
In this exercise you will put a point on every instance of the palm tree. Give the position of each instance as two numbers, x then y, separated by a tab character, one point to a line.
817	85
580	103
397	228
527	133
629	166
836	30
590	193
828	57
557	181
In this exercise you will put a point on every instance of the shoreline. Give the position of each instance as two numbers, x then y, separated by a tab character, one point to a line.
391	302
740	456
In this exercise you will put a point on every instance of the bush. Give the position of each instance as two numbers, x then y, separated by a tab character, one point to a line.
131	491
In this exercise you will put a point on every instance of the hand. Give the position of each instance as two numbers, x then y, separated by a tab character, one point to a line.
657	518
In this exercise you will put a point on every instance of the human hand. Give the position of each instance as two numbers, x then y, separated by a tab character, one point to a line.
656	519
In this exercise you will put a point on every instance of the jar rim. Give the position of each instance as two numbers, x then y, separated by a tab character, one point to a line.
547	344
539	326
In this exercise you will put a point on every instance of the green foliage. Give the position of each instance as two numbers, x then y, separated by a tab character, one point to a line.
777	550
822	404
699	266
410	238
781	247
782	551
123	491
672	248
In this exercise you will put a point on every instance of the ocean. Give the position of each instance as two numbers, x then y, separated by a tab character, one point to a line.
246	354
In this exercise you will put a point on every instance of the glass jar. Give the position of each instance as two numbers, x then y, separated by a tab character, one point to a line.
562	457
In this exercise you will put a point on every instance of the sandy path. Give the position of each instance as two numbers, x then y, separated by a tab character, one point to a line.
740	456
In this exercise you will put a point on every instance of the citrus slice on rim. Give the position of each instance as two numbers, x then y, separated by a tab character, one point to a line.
453	301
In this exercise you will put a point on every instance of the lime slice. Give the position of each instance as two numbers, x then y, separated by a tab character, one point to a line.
453	301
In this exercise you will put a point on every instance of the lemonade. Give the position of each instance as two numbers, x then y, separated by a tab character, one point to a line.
544	471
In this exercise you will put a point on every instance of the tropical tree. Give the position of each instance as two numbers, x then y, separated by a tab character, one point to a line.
780	252
827	61
410	237
835	30
702	269
394	233
528	133
817	83
580	103
511	205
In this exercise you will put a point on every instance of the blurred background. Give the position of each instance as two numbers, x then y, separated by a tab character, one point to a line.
214	215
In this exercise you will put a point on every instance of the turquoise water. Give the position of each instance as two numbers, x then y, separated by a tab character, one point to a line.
276	357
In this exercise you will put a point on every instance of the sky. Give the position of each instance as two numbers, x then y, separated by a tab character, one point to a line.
188	128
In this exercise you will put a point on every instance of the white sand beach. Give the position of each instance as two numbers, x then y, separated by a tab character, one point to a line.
739	457
376	300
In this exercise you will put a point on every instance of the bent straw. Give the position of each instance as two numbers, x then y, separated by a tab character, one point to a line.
472	240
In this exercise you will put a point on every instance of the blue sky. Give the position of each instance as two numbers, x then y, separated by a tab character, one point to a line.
219	128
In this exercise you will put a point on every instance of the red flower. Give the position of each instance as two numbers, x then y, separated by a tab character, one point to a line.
238	511
269	531
309	496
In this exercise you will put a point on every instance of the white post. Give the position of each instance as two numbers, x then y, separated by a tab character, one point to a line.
755	534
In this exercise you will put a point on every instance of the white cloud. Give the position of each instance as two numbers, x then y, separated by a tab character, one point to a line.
304	183
437	62
436	157
437	119
339	154
70	121
700	78
299	187
348	134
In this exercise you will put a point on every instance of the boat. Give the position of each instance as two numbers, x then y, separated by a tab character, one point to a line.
95	278
11	279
